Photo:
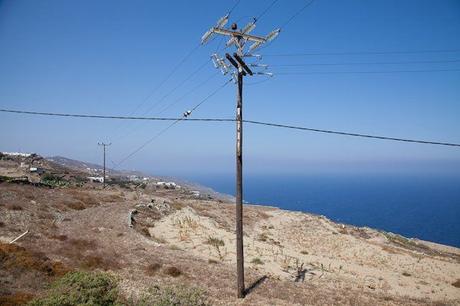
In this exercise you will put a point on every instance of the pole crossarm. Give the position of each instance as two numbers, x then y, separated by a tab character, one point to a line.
249	37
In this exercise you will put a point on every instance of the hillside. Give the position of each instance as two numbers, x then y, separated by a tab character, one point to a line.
177	238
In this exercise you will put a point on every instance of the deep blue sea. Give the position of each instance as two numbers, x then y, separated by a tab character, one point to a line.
421	206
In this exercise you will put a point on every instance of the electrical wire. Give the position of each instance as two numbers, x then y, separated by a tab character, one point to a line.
107	116
265	10
366	72
147	143
352	134
172	124
167	95
277	125
168	76
368	63
234	6
187	93
288	21
362	53
179	85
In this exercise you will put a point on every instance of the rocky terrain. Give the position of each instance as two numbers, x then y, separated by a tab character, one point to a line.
149	236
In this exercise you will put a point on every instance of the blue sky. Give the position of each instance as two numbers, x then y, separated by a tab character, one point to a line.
106	57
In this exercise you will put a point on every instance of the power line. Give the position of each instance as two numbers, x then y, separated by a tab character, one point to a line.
352	134
108	116
234	6
172	124
179	85
231	120
366	72
169	93
186	94
211	94
288	21
168	76
368	63
363	53
265	11
147	143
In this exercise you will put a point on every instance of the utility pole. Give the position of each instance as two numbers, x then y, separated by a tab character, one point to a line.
239	187
104	145
239	39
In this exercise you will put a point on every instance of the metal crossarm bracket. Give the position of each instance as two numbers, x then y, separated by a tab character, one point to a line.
242	63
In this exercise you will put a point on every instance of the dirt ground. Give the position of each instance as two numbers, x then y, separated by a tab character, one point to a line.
291	258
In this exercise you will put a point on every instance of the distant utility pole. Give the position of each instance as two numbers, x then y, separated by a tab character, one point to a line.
239	38
104	145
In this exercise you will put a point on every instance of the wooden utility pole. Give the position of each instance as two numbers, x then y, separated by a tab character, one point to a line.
238	38
239	187
104	145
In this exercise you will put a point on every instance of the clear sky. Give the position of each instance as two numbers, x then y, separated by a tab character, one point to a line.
106	57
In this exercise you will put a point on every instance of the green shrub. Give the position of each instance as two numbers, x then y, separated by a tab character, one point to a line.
257	261
53	180
174	296
81	288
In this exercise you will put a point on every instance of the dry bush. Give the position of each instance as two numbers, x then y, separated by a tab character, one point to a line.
177	205
2	224
112	198
105	263
217	244
59	237
158	239
263	237
152	268
79	196
13	207
82	244
14	299
75	250
27	271
144	231
17	259
406	274
77	205
456	283
172	271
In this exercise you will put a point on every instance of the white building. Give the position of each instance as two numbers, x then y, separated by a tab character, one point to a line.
168	185
96	179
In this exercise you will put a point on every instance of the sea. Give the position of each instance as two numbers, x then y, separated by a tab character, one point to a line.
426	207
